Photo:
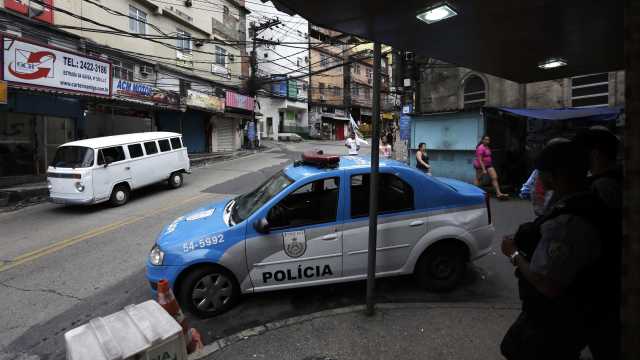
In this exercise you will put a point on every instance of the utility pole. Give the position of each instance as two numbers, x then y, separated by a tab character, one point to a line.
253	81
373	183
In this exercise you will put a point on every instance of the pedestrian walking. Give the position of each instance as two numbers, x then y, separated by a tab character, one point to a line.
353	144
385	148
557	259
483	165
422	160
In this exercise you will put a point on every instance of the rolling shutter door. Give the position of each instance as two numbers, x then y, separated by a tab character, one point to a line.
225	134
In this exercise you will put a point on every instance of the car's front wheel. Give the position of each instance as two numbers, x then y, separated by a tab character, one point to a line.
208	291
441	267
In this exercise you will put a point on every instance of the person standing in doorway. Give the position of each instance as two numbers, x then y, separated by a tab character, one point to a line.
385	148
483	164
422	160
352	144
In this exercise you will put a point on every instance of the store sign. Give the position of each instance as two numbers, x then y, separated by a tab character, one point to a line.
37	65
141	91
204	101
405	127
41	10
239	101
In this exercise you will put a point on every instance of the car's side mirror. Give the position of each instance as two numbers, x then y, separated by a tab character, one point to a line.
261	226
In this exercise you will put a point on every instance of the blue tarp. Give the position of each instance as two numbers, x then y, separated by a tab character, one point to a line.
596	113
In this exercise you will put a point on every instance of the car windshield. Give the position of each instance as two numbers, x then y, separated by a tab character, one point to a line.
73	157
248	203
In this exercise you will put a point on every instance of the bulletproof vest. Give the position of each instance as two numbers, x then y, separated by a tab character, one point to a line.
584	294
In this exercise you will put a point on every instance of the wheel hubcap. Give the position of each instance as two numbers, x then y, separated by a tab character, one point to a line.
176	180
212	292
442	268
120	195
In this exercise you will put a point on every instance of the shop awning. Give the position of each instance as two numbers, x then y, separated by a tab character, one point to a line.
336	118
595	113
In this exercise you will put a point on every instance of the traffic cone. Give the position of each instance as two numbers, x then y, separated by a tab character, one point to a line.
169	303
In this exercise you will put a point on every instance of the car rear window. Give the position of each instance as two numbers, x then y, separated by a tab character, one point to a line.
164	145
135	151
150	147
394	195
176	143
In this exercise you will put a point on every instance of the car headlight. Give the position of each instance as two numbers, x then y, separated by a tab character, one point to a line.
156	256
79	186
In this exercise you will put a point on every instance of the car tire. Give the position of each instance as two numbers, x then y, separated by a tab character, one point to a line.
119	195
175	180
441	267
208	291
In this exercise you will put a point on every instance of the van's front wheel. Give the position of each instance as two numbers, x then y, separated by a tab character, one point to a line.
119	195
175	180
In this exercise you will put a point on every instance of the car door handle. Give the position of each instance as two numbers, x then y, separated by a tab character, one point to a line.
417	223
330	237
127	168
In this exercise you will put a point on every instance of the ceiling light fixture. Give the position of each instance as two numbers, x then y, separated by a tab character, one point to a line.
552	63
436	13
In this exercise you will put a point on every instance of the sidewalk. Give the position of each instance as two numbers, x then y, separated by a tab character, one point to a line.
396	331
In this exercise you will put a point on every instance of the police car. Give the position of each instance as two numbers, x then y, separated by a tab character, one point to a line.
308	225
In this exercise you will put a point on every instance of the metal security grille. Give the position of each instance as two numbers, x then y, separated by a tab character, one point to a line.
474	93
590	90
225	135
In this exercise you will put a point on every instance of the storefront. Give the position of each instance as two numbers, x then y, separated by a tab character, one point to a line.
199	126
239	112
48	94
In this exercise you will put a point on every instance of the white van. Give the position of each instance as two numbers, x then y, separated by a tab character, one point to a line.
107	168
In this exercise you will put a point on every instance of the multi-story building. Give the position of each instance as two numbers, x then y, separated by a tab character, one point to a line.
283	66
86	68
456	106
341	78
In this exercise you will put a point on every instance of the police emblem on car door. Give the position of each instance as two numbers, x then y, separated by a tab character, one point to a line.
294	243
304	242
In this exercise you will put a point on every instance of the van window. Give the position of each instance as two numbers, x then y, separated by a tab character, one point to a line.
73	157
164	145
110	155
150	147
176	143
135	151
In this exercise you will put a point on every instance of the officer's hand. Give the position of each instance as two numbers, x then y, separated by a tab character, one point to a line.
508	245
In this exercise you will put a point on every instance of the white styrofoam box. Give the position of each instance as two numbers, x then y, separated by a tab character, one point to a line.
143	331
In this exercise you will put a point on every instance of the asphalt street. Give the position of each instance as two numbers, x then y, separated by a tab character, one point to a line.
62	266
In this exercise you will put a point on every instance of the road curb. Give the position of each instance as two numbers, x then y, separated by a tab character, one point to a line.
259	330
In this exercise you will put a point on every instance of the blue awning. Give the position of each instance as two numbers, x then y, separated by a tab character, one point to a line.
595	113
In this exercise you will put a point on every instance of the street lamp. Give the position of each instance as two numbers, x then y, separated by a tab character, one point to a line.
552	63
436	13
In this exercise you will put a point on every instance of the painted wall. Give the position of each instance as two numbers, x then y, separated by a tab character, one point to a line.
451	141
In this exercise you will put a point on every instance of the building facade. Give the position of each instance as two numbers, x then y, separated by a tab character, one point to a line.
80	69
449	114
283	65
341	81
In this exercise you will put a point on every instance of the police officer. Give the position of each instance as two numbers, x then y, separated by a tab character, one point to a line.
555	257
605	181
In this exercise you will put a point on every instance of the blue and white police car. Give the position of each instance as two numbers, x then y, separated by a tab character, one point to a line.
308	225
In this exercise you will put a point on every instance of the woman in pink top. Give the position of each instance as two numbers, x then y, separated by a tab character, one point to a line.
484	165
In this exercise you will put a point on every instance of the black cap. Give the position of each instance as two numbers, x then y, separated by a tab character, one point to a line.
563	156
600	139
